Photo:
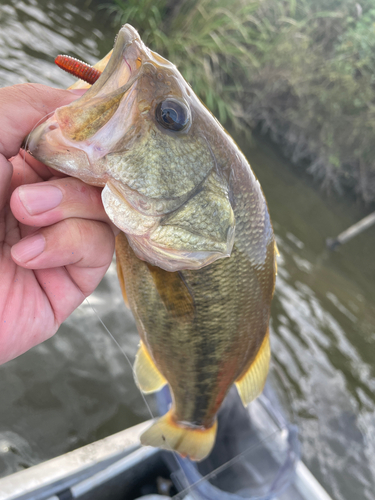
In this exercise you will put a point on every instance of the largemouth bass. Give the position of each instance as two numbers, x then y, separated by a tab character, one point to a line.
196	256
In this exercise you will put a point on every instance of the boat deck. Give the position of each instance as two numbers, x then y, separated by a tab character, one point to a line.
256	457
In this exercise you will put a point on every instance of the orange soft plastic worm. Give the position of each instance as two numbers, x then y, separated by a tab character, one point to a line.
78	68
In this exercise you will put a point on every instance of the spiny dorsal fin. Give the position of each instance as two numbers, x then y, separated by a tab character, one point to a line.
250	384
195	443
147	376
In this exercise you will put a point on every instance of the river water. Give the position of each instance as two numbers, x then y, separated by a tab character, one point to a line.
77	387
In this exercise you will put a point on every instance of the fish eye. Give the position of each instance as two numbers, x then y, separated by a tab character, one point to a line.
172	115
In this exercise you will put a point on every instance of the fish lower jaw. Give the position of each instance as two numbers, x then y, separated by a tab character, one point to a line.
48	145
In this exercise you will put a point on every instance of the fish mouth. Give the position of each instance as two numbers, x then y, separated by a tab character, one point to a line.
78	135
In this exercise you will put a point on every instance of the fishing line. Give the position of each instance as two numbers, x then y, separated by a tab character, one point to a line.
226	465
214	472
86	298
174	453
34	127
28	140
121	350
94	310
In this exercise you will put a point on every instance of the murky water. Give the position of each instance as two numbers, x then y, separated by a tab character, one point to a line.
77	387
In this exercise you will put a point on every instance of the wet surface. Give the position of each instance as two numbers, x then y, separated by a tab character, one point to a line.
77	387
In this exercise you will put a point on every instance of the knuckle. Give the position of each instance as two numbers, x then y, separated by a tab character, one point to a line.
91	242
86	231
93	233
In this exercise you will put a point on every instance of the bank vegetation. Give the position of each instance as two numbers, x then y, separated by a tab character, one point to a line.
302	71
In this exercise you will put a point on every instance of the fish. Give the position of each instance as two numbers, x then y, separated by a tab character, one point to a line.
196	255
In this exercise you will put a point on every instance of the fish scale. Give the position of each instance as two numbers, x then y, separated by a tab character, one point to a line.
227	301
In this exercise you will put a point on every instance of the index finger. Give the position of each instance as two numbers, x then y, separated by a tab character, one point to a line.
37	205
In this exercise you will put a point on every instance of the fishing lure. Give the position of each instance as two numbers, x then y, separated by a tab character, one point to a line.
78	68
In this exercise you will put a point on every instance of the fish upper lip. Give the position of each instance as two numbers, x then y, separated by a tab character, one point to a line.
116	80
127	39
92	97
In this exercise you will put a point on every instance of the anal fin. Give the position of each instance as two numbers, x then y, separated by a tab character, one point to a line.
148	378
250	384
193	442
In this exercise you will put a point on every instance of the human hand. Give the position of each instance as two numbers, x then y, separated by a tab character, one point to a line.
56	241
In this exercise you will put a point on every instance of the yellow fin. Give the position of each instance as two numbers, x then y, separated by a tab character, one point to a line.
147	376
250	384
277	253
121	261
196	443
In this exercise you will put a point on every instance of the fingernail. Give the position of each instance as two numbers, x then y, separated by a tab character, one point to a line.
28	248
39	199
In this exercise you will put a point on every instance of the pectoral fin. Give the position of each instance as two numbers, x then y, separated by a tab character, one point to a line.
121	262
174	293
147	376
250	384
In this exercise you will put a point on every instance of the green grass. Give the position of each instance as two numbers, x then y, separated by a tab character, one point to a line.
208	40
302	70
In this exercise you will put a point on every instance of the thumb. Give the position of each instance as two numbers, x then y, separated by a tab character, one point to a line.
22	107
